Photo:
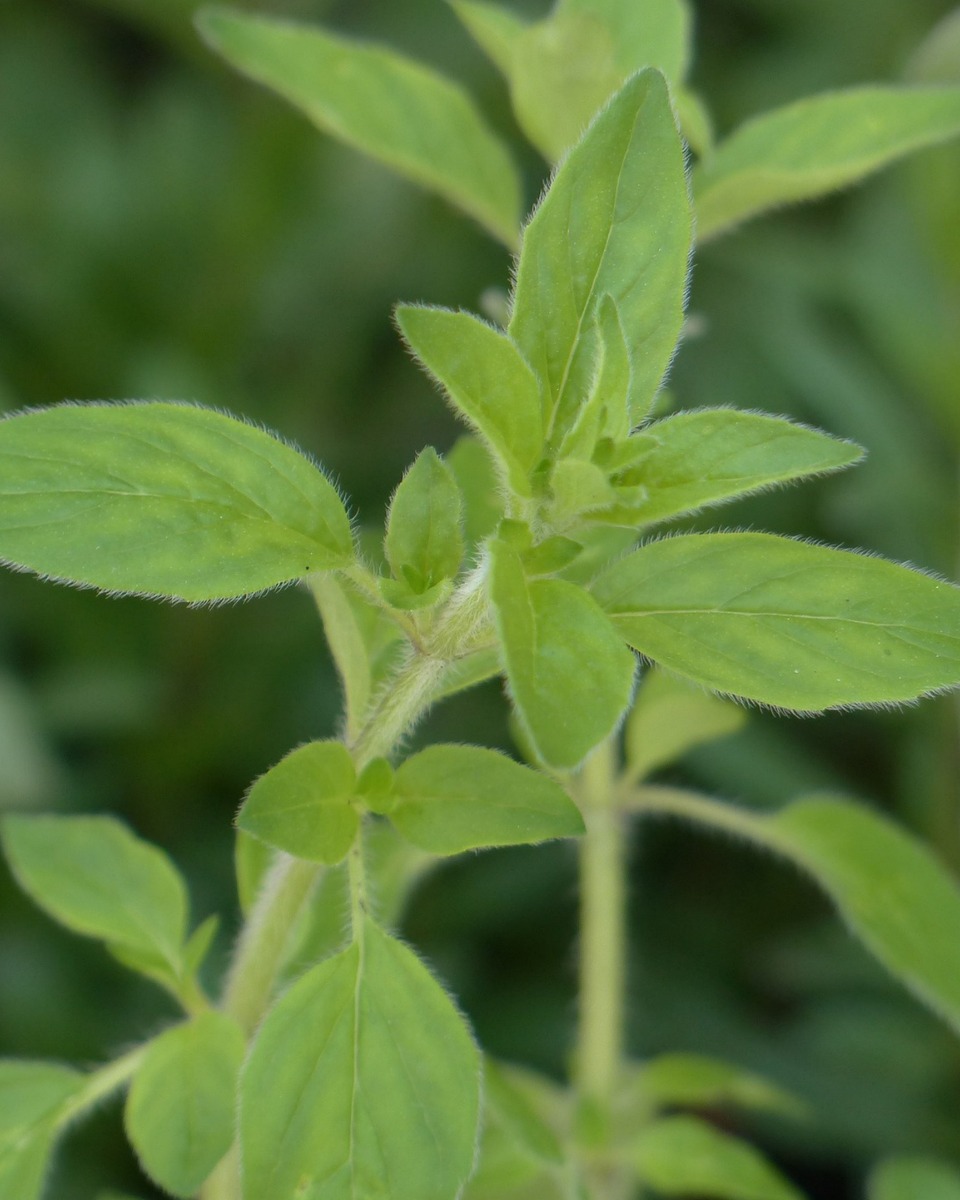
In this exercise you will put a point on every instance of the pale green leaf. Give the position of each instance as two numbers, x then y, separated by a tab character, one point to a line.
911	1177
656	33
487	381
550	556
302	805
527	1105
373	1080
398	111
251	862
94	876
616	220
448	799
179	1114
494	28
570	692
682	1156
937	58
199	943
670	717
163	500
467	672
31	1094
476	475
786	623
424	542
815	146
577	487
711	456
695	1081
606	412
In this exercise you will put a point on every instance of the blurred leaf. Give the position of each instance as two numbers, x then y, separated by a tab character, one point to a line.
252	859
302	805
402	113
784	622
373	1078
615	221
680	1156
914	1178
163	499
31	1093
30	770
937	58
495	28
180	1111
695	1081
815	146
454	798
519	1098
94	876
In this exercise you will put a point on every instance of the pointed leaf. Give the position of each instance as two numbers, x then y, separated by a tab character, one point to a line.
656	33
400	112
374	1084
423	543
606	412
31	1094
695	1081
615	220
937	58
180	1111
494	28
302	805
680	1156
708	457
454	798
569	673
163	500
476	475
487	381
786	623
914	1178
816	146
669	718
94	876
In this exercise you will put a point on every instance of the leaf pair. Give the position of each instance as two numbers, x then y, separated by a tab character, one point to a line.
445	800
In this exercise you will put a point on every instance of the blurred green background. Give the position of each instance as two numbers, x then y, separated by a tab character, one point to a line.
169	231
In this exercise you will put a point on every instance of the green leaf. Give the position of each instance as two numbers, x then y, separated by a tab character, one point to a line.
937	58
681	1156
423	542
669	718
708	457
94	876
914	1178
656	33
606	412
815	146
402	113
487	381
467	672
519	1098
476	475
251	860
495	29
31	1094
199	943
570	688
616	220
163	500
577	487
302	805
786	623
695	1081
373	1080
180	1111
454	798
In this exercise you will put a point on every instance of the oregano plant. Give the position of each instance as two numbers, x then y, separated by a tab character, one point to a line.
551	562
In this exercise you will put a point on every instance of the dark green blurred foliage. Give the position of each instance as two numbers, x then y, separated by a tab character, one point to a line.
168	231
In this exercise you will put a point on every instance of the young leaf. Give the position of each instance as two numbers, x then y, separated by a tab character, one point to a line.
373	1081
94	876
570	690
786	623
695	1081
180	1111
914	1178
396	110
302	805
476	475
670	717
454	798
251	862
31	1093
615	220
163	500
708	457
815	146
467	672
487	381
423	543
606	412
680	1156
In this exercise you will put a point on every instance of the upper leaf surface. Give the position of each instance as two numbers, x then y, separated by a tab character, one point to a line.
424	542
711	456
616	220
30	1095
400	112
815	146
180	1111
94	876
163	499
487	381
373	1081
455	798
786	623
913	1177
495	28
695	1081
302	804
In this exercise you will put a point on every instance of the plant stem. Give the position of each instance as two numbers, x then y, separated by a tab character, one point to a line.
101	1084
